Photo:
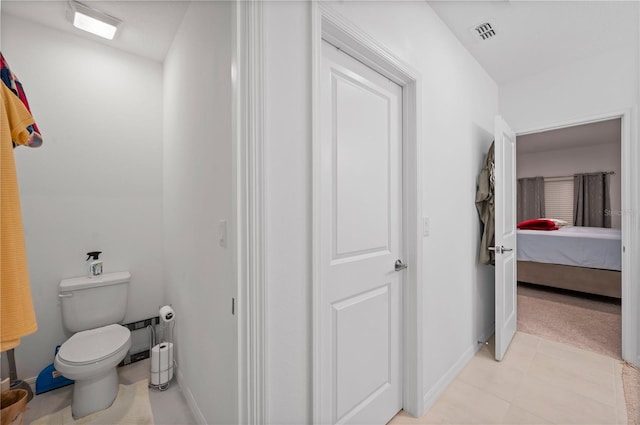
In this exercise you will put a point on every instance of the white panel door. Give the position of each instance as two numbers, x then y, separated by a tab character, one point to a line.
360	241
505	241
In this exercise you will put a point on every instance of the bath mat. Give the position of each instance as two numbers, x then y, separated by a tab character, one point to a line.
131	407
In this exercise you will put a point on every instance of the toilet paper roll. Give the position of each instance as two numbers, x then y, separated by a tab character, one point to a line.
161	363
167	314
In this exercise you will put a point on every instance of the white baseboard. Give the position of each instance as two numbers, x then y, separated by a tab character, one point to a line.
31	381
191	401
436	391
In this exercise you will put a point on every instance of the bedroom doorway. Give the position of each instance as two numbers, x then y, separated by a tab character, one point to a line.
570	280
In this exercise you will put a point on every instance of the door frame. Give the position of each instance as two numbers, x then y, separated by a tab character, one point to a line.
330	26
630	200
250	212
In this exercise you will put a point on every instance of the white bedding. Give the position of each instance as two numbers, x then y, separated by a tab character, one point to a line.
592	247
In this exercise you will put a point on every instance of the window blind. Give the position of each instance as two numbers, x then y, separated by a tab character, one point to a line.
558	198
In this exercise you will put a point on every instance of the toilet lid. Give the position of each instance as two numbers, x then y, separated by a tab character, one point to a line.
94	345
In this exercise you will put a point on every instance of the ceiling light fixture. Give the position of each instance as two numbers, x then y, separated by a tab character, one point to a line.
91	20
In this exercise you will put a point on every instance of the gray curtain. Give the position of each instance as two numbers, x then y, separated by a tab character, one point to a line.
530	198
591	200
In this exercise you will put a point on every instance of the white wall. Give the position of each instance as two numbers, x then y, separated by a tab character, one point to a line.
567	162
596	85
459	101
197	182
96	183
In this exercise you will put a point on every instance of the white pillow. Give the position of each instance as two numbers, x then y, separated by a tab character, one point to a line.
558	222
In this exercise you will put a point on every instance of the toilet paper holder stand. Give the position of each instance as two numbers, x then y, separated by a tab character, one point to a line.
162	362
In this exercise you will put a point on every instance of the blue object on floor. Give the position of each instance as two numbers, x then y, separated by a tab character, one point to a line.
50	379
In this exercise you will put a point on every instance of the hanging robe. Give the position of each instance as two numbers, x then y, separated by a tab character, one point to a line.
16	306
486	207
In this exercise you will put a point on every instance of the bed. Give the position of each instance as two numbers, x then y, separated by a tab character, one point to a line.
585	259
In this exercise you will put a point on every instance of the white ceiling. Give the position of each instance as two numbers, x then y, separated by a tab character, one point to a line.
147	30
533	36
597	133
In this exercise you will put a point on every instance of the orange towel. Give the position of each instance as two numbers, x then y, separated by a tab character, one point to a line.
16	306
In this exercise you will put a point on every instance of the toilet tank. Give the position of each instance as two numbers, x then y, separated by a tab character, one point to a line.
89	303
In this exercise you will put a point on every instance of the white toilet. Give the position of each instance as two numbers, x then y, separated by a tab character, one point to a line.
92	308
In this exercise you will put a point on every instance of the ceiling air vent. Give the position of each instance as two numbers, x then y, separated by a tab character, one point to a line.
484	31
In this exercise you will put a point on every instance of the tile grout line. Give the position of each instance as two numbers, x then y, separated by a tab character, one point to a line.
621	401
571	350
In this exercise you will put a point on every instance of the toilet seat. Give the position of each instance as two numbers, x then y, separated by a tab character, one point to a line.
94	345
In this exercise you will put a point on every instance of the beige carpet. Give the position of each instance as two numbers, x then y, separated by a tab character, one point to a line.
131	407
589	322
592	324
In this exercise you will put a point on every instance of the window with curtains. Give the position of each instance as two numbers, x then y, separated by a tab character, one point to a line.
581	199
558	198
591	199
530	198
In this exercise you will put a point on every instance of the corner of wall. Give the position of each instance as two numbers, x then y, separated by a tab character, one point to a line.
447	378
191	401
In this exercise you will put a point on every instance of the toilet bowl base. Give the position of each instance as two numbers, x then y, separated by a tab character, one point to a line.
94	394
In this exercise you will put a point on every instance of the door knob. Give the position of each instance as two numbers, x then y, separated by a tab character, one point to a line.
400	265
499	249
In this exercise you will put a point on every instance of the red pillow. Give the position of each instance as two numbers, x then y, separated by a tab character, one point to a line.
538	224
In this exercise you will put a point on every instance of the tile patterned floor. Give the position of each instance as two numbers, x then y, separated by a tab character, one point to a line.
538	382
169	407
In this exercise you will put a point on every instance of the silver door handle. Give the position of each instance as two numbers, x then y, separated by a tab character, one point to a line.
400	265
65	295
499	249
